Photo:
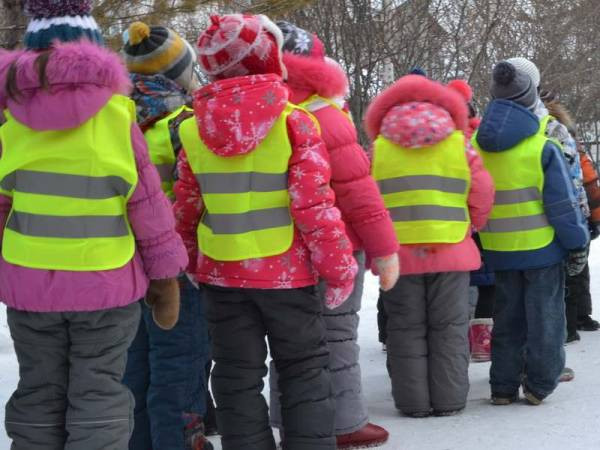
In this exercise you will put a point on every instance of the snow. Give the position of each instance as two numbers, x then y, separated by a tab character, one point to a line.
567	419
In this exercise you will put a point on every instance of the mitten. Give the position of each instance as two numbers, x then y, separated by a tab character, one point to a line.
336	295
577	261
388	268
163	298
594	229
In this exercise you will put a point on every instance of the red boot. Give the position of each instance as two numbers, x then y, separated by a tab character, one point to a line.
368	436
480	339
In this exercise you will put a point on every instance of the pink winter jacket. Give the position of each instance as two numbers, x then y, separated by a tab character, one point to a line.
82	78
234	116
416	112
368	222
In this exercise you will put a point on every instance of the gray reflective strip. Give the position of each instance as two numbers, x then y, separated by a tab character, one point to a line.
237	183
64	185
72	227
251	221
165	171
427	212
422	182
517	196
513	224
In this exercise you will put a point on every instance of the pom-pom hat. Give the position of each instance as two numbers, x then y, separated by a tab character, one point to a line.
513	84
59	20
300	42
237	45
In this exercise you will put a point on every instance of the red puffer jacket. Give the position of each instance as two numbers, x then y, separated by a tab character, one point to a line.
367	220
234	116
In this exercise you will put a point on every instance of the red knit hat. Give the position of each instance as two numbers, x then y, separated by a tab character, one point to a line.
237	45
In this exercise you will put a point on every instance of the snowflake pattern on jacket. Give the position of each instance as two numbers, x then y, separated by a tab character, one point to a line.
234	116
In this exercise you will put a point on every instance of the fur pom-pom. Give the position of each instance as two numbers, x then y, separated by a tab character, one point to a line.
463	88
504	73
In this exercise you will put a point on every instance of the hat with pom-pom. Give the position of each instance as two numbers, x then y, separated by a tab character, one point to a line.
236	45
300	42
159	50
512	84
525	65
59	20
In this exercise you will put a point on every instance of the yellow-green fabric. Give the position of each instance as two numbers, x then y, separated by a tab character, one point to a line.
69	191
310	102
162	153
425	189
245	197
517	221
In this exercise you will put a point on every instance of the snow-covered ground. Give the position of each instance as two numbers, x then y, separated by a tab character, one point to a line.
569	419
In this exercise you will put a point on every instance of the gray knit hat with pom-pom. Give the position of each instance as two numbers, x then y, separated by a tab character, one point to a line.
512	84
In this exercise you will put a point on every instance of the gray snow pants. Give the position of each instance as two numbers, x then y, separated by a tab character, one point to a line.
342	334
70	394
291	320
427	346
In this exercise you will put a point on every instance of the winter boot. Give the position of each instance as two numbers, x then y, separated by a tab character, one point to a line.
567	375
572	338
480	339
586	323
195	439
531	398
503	399
447	412
368	436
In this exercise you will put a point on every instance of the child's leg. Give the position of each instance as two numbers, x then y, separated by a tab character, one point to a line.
509	334
407	364
177	370
297	339
381	319
137	379
485	302
448	341
545	354
35	414
239	352
100	412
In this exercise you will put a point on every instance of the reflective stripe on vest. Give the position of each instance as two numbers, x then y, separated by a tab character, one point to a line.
425	189
517	221
316	102
162	153
74	221
246	197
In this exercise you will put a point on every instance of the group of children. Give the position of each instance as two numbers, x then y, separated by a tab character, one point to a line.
248	204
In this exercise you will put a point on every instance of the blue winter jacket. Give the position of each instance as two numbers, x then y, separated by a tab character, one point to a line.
503	126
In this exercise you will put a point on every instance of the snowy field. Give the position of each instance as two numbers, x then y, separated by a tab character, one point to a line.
569	419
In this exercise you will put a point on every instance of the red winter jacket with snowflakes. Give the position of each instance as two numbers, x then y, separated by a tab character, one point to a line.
234	116
368	222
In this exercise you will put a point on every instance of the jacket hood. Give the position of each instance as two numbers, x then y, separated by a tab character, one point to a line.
416	89
81	76
308	76
156	96
235	115
504	125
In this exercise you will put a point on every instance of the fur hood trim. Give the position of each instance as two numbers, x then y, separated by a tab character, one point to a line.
324	77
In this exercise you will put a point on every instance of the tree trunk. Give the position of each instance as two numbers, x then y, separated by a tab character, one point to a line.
12	30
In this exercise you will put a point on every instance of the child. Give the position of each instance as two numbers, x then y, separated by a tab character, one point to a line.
85	226
165	369
257	215
437	192
534	223
320	85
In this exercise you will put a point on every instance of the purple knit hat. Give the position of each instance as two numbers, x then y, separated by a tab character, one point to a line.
59	20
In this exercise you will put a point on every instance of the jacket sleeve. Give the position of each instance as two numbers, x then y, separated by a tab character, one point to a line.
481	195
592	186
560	202
188	209
312	206
151	218
355	189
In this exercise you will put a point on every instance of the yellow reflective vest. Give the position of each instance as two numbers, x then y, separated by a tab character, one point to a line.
517	221
246	197
162	153
425	189
69	191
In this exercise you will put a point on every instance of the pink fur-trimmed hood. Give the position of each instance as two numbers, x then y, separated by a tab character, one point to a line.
82	77
416	89
308	76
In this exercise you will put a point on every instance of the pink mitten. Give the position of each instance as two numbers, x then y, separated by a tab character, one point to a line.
388	269
336	295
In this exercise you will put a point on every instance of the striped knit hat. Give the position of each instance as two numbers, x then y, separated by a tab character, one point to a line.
159	50
236	45
59	20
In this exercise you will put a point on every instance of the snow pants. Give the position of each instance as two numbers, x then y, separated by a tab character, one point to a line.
578	298
166	372
427	342
70	394
292	322
529	331
342	335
